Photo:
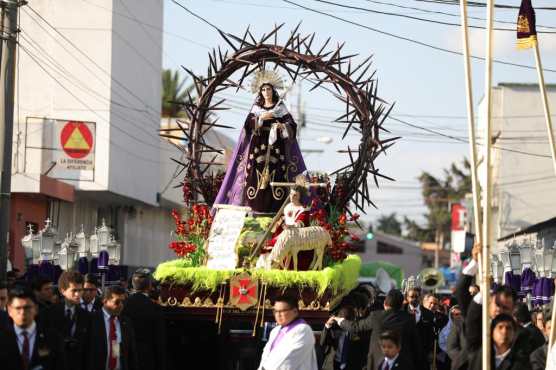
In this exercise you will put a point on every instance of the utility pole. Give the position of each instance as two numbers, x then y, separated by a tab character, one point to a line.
7	87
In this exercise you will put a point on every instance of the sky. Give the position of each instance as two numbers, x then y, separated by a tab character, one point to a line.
426	85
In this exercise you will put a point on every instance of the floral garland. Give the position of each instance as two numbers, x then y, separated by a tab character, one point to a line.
192	233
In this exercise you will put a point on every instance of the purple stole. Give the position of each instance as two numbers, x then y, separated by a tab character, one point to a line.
285	330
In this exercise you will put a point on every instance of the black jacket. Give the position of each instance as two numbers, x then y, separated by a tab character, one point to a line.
47	351
425	328
535	337
356	351
538	358
97	305
74	344
379	321
98	344
401	363
149	327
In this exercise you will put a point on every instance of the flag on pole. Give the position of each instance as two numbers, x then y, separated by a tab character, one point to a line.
526	30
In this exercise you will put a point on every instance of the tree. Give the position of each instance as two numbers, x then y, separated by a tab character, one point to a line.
438	193
173	90
389	224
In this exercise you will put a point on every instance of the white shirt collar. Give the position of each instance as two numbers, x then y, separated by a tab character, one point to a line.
30	330
499	358
391	361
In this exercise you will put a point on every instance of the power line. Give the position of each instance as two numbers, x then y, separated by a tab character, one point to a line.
481	5
89	108
413	41
415	18
147	106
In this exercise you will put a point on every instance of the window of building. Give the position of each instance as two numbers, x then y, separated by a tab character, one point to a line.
383	248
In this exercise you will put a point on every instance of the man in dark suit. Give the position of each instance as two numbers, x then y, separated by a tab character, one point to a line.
424	319
3	295
390	343
69	320
112	340
534	338
44	292
25	344
90	301
148	323
392	318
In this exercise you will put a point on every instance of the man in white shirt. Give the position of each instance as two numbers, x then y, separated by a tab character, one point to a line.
26	345
291	345
90	301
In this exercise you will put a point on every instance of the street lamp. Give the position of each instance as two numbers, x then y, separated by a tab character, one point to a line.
525	253
27	244
543	259
505	258
93	244
113	248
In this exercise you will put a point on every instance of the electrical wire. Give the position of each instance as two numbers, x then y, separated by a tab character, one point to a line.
374	11
413	41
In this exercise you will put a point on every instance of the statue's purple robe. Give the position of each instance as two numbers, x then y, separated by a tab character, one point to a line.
240	186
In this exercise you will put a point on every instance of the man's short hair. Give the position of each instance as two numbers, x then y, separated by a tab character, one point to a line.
428	295
21	293
503	317
109	291
505	291
90	279
141	281
290	300
414	289
69	277
392	335
522	314
39	282
394	299
3	285
360	300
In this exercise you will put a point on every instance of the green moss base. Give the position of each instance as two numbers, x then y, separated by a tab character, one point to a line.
338	278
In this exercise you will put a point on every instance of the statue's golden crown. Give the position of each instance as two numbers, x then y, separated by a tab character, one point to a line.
263	77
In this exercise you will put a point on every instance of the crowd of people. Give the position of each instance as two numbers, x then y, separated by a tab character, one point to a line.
77	327
72	325
417	331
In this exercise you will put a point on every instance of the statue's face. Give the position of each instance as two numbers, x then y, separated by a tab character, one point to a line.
266	92
294	196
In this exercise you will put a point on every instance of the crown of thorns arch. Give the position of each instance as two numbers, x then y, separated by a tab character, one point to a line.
324	67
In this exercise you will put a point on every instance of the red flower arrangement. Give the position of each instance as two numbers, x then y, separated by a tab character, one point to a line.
326	211
192	232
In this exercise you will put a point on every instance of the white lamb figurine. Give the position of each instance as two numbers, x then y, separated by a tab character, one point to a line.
294	239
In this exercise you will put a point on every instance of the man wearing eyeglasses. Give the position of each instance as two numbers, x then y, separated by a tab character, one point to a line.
25	343
291	345
69	320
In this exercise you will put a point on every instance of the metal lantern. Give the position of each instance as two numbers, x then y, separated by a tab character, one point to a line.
526	255
36	243
93	244
103	234
497	269
47	239
65	256
82	244
515	259
27	244
114	251
542	255
504	253
553	267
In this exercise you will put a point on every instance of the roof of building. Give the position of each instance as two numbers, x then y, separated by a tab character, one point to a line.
531	229
396	240
525	85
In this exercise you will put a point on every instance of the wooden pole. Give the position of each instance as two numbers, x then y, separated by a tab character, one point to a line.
471	124
487	227
546	107
548	120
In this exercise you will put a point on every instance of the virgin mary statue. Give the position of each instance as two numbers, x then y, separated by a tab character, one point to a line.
267	151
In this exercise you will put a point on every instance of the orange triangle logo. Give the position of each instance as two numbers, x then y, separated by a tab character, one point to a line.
76	141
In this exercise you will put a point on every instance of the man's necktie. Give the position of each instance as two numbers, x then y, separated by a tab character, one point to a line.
386	367
69	318
112	360
25	350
